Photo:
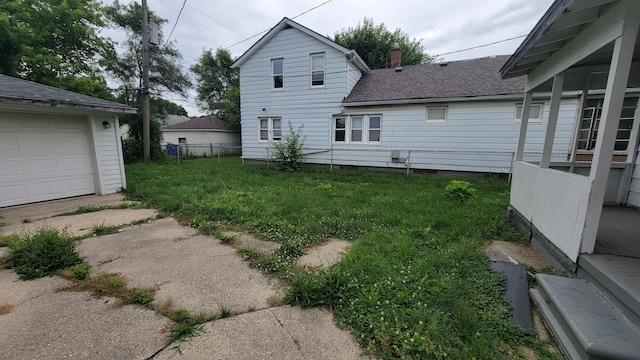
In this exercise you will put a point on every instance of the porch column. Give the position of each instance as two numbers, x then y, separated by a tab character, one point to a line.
609	121
556	97
576	129
524	122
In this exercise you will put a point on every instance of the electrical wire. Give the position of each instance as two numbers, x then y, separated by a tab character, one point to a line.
176	23
264	31
480	46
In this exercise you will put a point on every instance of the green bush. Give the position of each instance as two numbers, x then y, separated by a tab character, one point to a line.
80	271
459	190
287	153
43	254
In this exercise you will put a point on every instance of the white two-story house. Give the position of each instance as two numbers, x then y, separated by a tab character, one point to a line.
459	115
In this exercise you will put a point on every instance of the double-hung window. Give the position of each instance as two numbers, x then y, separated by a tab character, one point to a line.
277	74
590	123
357	129
317	70
270	128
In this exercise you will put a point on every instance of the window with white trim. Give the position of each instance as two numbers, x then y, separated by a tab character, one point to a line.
270	129
317	70
535	113
277	73
357	129
436	114
590	123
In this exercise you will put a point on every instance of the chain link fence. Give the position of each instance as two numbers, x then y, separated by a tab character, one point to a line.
188	151
481	161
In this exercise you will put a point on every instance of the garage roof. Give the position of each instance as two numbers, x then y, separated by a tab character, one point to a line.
23	92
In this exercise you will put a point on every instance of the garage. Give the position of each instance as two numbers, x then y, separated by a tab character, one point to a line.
56	144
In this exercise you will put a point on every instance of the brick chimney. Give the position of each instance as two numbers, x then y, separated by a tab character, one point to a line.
396	56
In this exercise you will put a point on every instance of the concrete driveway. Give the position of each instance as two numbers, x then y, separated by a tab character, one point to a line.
191	271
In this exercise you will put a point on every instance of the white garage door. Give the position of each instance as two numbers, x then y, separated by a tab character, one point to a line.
43	157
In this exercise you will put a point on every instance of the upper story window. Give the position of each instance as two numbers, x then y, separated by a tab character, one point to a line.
277	73
359	129
535	113
436	114
270	129
590	123
317	69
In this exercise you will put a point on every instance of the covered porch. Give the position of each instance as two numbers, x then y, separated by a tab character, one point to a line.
589	46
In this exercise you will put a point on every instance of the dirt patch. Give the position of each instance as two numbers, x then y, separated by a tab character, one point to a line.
326	254
247	241
523	254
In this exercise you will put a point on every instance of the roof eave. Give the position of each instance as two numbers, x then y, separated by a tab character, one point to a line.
433	100
64	104
555	10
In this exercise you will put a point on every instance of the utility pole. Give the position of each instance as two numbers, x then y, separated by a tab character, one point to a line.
146	138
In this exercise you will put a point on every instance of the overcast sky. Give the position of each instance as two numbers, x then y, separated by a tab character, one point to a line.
443	26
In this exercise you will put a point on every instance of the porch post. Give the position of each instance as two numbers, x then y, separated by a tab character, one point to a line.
576	129
609	121
556	97
524	122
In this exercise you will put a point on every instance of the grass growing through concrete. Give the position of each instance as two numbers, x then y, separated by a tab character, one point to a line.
416	283
42	254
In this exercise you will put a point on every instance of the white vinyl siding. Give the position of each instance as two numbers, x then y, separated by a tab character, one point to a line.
108	155
297	102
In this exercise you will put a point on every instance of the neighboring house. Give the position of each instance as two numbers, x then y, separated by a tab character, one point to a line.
591	46
203	135
457	115
56	143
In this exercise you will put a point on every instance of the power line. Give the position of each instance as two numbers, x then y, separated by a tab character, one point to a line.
481	46
177	19
264	31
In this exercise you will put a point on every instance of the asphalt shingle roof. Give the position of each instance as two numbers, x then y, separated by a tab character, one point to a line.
18	91
209	122
454	79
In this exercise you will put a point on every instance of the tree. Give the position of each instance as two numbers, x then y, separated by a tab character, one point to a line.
165	74
55	42
218	86
374	43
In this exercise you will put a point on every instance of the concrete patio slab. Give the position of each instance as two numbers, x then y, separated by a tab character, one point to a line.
325	255
195	272
45	324
81	224
277	333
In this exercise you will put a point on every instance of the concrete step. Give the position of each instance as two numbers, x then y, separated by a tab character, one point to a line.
618	277
585	324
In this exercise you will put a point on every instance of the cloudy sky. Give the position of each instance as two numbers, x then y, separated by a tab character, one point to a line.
444	26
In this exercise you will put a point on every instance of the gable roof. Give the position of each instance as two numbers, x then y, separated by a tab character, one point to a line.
208	122
286	23
23	92
445	81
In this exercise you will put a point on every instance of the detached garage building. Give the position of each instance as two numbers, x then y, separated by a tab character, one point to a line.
56	143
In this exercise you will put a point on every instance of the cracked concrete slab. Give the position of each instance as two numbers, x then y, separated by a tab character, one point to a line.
247	241
195	272
45	324
277	333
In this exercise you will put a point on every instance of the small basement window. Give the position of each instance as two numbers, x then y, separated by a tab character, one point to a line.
535	113
436	114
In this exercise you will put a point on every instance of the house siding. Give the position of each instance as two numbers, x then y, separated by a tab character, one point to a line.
297	103
108	155
477	136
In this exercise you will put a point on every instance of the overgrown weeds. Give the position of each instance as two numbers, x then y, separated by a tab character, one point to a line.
41	254
415	284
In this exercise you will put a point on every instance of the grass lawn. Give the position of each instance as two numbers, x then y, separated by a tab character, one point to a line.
416	283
